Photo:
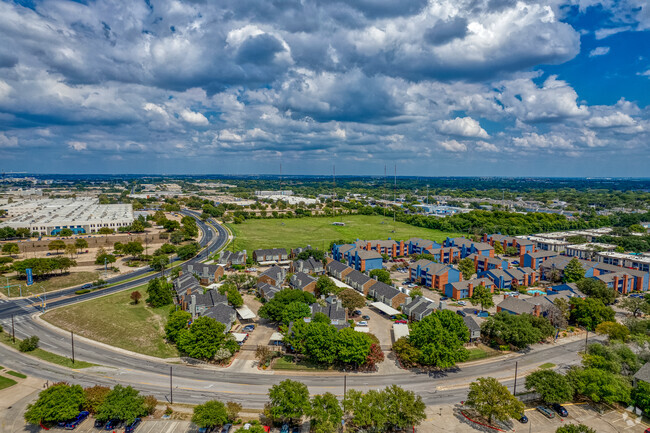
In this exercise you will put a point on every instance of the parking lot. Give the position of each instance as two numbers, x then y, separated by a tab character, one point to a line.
380	325
146	426
610	421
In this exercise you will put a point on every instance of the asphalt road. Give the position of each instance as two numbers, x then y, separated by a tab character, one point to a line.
195	384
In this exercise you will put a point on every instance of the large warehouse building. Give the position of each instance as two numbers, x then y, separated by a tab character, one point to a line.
50	216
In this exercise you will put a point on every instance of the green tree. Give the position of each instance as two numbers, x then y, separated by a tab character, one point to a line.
133	248
440	338
351	300
59	402
71	249
202	340
210	414
80	244
188	251
614	331
94	396
575	428
325	286
11	249
56	245
325	413
382	275
482	296
288	401
176	238
597	289
498	248
171	225
294	311
105	258
637	306
516	330
552	387
275	309
232	410
600	385
407	354
614	358
159	263
352	347
590	312
105	231
573	271
641	396
512	251
366	411
66	232
467	268
123	403
178	320
235	298
159	292
493	400
404	409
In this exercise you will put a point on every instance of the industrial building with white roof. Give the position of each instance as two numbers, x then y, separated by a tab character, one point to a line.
50	216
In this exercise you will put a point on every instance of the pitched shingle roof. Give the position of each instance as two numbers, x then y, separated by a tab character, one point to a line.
516	305
384	290
300	280
643	373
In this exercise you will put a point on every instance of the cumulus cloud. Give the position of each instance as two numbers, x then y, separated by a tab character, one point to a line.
177	84
462	126
599	51
194	118
77	145
453	146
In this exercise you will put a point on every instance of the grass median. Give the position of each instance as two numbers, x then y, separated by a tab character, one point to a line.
319	231
116	321
5	382
45	355
49	284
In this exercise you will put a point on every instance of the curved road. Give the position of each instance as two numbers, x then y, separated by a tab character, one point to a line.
197	384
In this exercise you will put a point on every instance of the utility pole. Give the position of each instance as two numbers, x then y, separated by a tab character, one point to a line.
72	340
13	329
394	197
586	339
171	390
345	385
514	391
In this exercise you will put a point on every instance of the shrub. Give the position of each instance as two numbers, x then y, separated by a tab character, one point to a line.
81	292
150	403
28	344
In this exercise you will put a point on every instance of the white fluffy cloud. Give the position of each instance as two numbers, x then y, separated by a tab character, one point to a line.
194	118
599	51
77	145
453	146
462	126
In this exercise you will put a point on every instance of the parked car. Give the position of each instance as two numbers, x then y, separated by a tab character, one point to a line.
356	313
226	428
87	286
545	411
249	328
131	427
443	298
523	419
362	323
112	424
402	321
285	428
72	424
515	262
461	313
365	317
462	303
99	424
560	409
482	313
206	429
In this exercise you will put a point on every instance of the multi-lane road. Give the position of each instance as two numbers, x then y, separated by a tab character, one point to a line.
245	383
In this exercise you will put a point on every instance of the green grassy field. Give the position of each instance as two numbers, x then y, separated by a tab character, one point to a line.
319	232
16	374
53	283
114	320
5	382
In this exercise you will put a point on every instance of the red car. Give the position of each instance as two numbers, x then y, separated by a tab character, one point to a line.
402	321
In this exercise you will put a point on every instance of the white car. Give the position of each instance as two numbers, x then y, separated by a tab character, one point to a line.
362	323
462	303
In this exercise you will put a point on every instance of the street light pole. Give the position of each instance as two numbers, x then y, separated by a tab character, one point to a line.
13	329
72	340
514	391
171	390
345	385
586	339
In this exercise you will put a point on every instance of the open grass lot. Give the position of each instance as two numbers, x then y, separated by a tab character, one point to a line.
5	382
45	355
55	282
114	320
319	232
481	352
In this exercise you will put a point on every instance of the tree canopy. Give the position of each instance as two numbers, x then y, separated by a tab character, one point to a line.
203	338
519	331
590	312
288	401
159	291
210	414
382	275
493	400
59	402
552	387
123	403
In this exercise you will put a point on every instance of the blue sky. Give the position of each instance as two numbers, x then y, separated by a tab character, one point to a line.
438	87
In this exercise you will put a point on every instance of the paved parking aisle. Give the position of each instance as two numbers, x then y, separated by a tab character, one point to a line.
146	426
608	422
